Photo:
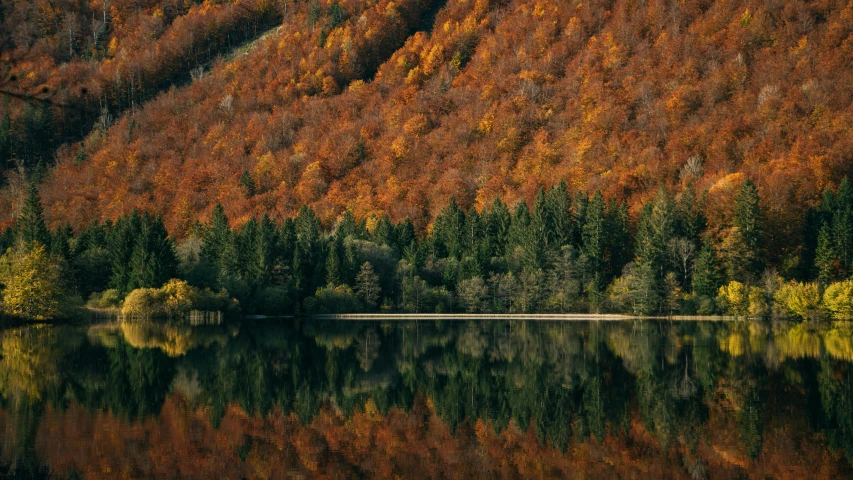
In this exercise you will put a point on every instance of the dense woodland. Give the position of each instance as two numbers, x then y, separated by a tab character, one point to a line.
383	107
567	252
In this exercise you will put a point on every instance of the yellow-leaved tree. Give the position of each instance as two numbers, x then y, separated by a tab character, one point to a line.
32	281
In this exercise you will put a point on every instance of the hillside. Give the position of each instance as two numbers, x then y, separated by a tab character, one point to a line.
380	108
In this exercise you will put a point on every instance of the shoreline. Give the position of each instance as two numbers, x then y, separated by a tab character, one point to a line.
522	316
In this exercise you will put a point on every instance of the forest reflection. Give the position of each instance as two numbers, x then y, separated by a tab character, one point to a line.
443	399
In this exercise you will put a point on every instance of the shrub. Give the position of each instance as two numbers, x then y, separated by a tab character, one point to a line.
799	299
838	300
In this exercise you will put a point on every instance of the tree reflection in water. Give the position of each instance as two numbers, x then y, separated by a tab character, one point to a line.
443	399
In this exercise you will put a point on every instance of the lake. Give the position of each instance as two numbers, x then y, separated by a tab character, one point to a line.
428	399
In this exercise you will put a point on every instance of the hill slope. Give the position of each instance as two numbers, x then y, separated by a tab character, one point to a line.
379	107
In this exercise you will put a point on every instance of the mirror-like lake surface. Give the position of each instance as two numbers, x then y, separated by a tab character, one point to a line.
428	399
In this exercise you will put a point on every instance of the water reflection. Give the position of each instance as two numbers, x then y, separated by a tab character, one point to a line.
452	399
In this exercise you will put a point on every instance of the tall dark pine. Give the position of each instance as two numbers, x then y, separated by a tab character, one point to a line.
217	237
449	230
748	219
153	261
706	272
559	204
31	226
594	235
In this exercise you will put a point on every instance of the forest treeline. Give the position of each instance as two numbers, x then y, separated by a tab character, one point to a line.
567	252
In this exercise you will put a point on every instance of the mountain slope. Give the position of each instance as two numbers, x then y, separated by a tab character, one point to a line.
489	99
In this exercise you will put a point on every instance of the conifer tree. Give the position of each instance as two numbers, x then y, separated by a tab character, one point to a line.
559	204
594	235
706	271
448	231
541	221
748	220
333	265
31	223
825	255
217	237
497	222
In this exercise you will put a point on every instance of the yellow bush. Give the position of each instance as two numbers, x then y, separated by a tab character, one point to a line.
799	299
838	300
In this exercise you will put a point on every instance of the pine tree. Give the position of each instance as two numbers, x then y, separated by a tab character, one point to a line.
333	265
404	234
497	224
594	235
706	272
248	184
559	204
217	237
825	256
619	238
748	219
541	222
384	232
521	248
842	227
30	223
60	246
449	230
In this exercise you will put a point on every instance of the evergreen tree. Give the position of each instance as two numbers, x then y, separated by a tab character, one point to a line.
384	232
217	237
121	243
248	184
541	223
594	235
153	261
497	222
30	223
690	221
748	219
521	248
334	272
825	256
449	231
308	255
349	227
619	238
580	206
842	227
706	272
559	204
60	246
404	233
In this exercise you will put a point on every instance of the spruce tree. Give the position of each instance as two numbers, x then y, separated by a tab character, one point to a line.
217	237
31	225
449	230
334	270
706	272
497	222
559	204
825	256
541	222
748	220
594	235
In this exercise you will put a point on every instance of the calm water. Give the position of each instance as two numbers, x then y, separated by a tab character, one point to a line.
496	399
